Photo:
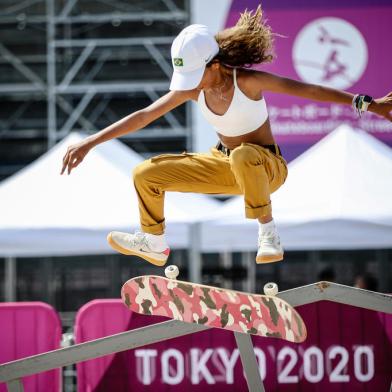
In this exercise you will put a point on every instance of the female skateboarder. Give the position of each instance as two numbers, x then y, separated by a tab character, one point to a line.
214	72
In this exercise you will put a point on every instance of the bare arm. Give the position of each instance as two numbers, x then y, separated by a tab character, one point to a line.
270	82
141	118
131	123
278	84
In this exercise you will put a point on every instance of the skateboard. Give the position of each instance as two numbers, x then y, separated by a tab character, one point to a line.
263	315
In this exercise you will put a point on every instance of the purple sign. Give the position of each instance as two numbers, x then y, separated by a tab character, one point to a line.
347	349
339	44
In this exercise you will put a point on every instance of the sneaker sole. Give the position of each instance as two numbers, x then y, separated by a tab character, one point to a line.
269	259
128	252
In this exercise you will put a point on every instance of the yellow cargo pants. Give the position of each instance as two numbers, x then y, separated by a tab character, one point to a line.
250	170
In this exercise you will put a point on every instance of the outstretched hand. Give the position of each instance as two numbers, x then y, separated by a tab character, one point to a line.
75	155
383	106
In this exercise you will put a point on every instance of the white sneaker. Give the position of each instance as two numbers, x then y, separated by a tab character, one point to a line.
270	249
137	244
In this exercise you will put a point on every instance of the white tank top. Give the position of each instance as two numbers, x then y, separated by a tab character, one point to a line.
244	115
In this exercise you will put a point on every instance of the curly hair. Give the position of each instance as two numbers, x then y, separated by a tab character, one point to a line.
249	42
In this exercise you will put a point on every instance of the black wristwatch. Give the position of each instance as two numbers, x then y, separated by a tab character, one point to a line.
361	103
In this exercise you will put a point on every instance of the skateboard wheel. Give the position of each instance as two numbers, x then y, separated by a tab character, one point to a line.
270	288
171	272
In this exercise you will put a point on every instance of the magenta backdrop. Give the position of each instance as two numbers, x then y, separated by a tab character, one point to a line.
30	328
348	349
298	123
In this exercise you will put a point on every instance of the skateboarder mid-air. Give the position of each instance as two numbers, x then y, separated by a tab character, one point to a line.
214	72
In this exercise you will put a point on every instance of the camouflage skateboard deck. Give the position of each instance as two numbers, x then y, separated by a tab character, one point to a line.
261	315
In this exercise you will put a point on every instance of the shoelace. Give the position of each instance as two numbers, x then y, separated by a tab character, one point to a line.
268	238
138	239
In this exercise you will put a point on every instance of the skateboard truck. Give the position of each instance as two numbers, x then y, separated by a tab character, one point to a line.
270	288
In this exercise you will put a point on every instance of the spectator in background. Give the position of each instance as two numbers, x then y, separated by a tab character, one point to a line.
327	274
366	281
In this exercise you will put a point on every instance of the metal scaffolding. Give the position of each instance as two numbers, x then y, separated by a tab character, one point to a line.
82	64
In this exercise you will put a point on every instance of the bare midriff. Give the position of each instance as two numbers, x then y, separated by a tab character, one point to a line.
261	136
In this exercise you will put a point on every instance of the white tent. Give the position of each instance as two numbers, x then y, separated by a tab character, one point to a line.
43	213
338	195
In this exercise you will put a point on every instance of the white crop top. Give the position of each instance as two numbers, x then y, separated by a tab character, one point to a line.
244	115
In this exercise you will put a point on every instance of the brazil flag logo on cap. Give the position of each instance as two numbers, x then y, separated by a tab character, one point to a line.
178	62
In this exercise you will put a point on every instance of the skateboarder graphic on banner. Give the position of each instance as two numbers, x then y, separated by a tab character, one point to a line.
213	70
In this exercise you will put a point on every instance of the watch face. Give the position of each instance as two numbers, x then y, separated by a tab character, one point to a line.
367	98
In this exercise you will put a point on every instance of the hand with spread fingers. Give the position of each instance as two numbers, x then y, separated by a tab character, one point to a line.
383	106
75	155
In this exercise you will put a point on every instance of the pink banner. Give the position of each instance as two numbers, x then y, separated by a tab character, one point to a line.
30	328
348	349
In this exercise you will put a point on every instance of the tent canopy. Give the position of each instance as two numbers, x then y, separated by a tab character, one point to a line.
44	213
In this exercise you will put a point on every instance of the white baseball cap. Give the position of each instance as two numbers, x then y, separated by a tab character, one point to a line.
191	50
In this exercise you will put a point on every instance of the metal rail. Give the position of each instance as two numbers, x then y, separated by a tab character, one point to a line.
12	372
347	295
